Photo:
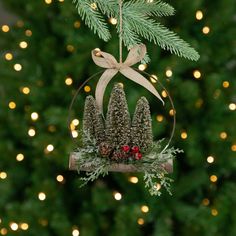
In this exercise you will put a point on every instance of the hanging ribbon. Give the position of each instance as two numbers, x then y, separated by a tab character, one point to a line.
107	61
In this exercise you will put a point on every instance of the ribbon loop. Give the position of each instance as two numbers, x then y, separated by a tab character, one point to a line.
106	60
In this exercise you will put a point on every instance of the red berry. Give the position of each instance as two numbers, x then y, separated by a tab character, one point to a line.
135	149
125	148
138	156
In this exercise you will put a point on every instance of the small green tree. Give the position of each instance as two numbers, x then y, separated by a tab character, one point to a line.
93	126
118	118
141	131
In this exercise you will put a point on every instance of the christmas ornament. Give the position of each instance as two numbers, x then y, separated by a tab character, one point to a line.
115	141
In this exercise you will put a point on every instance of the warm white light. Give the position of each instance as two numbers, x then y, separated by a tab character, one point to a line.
213	178
68	81
184	135
17	67
197	74
24	226
169	73
140	221
25	90
117	196
60	178
75	122
3	175
144	209
210	159
34	116
5	28
160	118
205	30
74	133
158	186
42	196
8	56
12	105
199	15
31	132
75	232
48	1
153	79
23	44
20	157
50	148
142	67
14	226
87	89
232	106
113	21
133	179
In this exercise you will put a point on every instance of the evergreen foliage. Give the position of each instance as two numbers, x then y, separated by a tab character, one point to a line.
118	118
141	130
93	126
138	22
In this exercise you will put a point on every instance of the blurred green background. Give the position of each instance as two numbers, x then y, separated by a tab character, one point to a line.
45	56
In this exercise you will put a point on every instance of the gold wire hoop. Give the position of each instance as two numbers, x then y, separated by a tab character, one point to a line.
145	73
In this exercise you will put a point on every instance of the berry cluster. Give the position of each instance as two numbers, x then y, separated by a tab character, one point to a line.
133	152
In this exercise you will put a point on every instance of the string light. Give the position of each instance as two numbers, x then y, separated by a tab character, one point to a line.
23	44
144	209
20	157
172	112
3	175
225	84
232	106
5	28
93	6
43	222
77	24
60	178
70	48
159	118
117	196
68	81
28	33
199	103
24	226
41	196
51	128
17	67
74	134
87	89
158	186
8	56
223	135
75	122
142	67
214	212
210	159
205	30
12	105
20	23
31	132
205	202
50	147
61	0
153	79
133	179
113	21
233	147
213	178
169	73
25	90
34	116
75	232
140	221
184	135
14	226
199	15
164	94
197	74
48	1
3	231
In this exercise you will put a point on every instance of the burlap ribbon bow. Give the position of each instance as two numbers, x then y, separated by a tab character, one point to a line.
106	60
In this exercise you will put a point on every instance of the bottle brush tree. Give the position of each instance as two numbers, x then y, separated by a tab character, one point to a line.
141	131
93	126
118	118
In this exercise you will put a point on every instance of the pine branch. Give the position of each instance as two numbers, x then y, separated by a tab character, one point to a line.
108	8
93	19
151	8
155	32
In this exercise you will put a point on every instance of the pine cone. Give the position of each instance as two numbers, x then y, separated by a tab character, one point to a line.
117	155
105	149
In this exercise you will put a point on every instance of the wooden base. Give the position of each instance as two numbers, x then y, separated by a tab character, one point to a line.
116	167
